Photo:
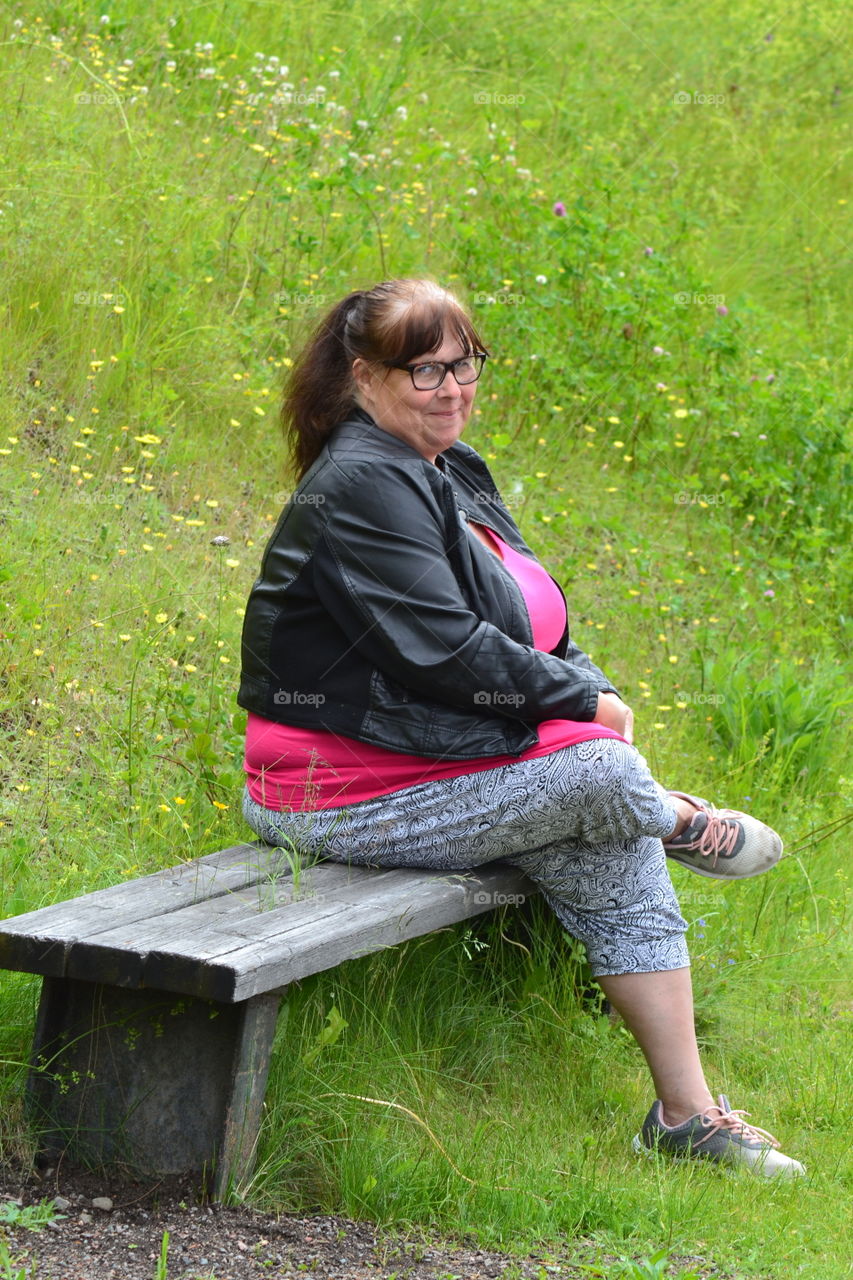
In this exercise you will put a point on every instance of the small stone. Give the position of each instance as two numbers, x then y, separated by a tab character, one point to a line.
104	1203
60	1204
85	1217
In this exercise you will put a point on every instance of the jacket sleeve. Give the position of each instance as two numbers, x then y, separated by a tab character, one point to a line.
579	659
382	571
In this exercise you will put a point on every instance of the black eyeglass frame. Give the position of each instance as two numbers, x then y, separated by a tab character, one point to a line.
480	356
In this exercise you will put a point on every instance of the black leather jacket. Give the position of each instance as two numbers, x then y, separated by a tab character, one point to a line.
377	615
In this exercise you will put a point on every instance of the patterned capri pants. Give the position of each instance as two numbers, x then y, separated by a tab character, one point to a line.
584	823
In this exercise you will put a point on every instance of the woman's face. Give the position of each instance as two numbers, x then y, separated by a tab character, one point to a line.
430	421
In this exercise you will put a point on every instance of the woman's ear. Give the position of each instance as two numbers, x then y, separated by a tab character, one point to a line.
362	376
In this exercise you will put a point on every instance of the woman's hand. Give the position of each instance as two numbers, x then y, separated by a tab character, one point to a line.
614	714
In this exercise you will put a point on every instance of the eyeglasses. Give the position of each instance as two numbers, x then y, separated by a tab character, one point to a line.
428	377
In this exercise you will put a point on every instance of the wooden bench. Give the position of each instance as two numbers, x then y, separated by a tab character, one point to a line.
159	995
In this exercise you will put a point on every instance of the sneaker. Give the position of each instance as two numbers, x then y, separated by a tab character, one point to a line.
717	1134
723	844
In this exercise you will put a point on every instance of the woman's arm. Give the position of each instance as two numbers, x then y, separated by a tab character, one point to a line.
381	570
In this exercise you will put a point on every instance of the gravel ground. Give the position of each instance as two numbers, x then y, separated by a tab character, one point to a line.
114	1232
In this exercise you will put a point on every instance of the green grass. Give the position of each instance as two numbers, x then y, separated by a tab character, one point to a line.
669	427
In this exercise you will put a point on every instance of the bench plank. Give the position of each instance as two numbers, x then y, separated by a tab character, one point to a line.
117	955
212	949
353	923
233	926
37	942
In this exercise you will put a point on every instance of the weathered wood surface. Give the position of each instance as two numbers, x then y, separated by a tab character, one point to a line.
235	1151
308	937
148	1080
37	942
234	925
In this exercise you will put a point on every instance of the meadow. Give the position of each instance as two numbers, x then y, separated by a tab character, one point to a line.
645	209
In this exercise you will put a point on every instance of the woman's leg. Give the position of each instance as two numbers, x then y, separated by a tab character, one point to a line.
658	1010
598	789
586	824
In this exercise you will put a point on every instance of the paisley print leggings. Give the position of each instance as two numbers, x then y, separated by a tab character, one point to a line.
585	823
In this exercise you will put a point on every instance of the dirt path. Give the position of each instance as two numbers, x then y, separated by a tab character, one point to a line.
120	1236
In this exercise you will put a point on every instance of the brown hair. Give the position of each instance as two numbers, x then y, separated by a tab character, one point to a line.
395	320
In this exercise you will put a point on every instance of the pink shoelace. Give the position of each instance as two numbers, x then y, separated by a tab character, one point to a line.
719	838
729	1119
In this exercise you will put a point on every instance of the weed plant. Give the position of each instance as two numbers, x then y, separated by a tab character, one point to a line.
645	210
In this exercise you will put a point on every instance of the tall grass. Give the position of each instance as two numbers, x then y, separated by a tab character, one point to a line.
658	281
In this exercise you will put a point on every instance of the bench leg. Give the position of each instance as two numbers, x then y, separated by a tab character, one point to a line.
148	1080
243	1111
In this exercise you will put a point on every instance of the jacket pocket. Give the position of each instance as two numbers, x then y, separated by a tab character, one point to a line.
385	693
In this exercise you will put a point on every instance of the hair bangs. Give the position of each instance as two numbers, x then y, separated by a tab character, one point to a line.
419	323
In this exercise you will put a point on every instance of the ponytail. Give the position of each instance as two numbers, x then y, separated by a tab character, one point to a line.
320	389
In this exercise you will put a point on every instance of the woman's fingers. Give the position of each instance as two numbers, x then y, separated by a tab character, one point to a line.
612	712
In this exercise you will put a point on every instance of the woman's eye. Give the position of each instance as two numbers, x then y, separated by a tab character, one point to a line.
427	370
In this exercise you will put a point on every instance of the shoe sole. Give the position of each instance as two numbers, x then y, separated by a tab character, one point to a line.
731	1167
716	875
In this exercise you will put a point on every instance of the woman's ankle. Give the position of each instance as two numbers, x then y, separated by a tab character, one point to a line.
679	1112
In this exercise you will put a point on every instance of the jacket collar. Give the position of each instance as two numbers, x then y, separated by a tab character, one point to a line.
360	433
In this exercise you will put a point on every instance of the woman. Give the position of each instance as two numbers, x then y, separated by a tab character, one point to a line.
415	698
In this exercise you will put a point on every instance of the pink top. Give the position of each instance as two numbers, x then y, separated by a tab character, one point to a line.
299	769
